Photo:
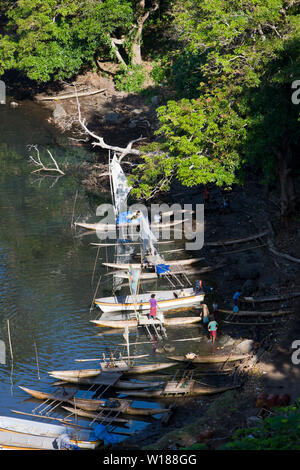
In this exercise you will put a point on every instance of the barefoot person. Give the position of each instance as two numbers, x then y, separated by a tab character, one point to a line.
205	314
153	305
212	328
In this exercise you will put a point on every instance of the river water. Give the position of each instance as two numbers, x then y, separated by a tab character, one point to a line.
47	277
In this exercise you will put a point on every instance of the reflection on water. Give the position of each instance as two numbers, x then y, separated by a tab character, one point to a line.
47	281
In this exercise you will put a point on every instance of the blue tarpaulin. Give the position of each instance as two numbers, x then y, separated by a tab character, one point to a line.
100	432
124	217
162	268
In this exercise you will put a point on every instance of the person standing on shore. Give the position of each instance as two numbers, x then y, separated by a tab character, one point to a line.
205	314
236	298
212	328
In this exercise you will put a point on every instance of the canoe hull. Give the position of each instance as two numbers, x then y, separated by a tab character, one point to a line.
133	323
24	426
209	359
196	391
110	304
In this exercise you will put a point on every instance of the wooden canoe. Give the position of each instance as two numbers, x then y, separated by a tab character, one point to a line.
82	438
154	275
179	262
110	227
250	313
271	298
176	321
121	406
237	240
196	391
96	416
113	405
210	359
138	369
123	384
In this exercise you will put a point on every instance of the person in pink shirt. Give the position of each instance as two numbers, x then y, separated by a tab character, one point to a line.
153	304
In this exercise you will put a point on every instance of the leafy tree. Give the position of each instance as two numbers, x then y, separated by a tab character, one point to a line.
249	49
48	39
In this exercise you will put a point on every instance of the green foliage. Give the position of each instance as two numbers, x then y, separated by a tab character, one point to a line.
53	39
200	144
130	79
232	71
280	432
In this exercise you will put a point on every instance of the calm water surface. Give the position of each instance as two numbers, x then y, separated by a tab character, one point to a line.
47	278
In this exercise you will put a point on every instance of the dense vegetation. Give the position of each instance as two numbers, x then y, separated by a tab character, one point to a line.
230	65
278	432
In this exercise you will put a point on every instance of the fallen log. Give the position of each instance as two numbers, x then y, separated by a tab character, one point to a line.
237	240
282	255
70	95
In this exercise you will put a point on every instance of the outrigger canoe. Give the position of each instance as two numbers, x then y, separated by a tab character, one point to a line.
120	384
210	359
166	300
138	369
178	262
195	391
133	322
81	438
117	405
109	227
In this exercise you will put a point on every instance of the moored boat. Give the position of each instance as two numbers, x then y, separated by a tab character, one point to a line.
168	299
18	441
137	369
133	322
161	393
213	359
82	438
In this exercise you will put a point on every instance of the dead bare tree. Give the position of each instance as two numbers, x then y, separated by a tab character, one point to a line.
38	162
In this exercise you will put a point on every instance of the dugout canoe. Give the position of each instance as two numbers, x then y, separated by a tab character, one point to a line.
210	359
138	369
120	384
271	298
133	322
109	227
96	416
250	313
83	438
117	405
195	391
178	262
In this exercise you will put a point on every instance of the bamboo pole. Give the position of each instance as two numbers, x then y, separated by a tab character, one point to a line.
37	361
9	339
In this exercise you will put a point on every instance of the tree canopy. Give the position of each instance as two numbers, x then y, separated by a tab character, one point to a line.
230	65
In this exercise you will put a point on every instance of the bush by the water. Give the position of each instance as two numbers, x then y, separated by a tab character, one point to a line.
278	432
